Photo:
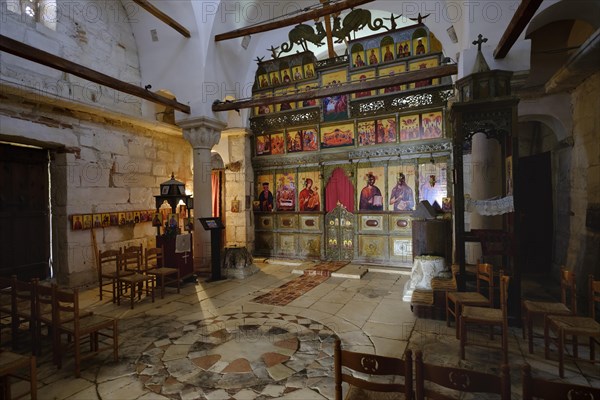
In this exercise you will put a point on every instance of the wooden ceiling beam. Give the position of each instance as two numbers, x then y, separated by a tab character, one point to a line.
145	4
305	16
517	24
30	53
379	83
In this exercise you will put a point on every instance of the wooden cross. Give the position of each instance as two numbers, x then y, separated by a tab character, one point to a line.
328	32
480	40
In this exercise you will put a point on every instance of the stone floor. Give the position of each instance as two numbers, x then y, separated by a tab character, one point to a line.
212	341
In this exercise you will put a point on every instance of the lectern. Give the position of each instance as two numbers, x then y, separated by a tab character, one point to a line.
214	225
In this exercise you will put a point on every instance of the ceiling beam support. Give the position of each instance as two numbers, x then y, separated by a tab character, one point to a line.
305	16
517	24
379	83
30	53
163	17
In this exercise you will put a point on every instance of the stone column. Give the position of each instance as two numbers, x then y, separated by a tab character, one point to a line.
486	183
203	133
239	183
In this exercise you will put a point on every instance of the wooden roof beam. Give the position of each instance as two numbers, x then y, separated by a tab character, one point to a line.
517	24
398	79
306	16
30	53
163	17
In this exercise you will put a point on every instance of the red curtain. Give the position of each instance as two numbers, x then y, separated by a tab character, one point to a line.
216	191
339	188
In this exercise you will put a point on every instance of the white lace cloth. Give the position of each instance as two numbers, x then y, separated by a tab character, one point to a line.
491	206
424	269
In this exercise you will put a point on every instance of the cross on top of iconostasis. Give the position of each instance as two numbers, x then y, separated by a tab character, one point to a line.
480	40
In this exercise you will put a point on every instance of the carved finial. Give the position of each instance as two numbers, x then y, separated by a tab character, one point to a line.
480	40
173	175
420	18
259	59
273	51
393	20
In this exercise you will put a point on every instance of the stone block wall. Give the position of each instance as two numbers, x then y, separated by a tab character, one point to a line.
584	245
97	35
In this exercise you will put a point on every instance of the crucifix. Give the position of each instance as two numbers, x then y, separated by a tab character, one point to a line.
327	18
480	40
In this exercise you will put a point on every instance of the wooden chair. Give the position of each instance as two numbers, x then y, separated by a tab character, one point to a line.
572	325
362	365
136	280
456	300
109	272
532	309
154	258
459	380
10	365
44	301
5	303
552	390
68	320
23	309
491	317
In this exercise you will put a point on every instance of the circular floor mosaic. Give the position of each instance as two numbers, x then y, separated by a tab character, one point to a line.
235	351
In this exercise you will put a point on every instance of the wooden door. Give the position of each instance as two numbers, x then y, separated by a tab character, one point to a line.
24	212
535	184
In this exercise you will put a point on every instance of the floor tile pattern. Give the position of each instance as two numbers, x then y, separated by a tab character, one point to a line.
249	352
326	268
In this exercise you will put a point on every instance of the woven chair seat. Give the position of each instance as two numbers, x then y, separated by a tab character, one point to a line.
482	313
135	278
362	394
88	324
572	325
443	284
422	297
472	298
546	307
162	271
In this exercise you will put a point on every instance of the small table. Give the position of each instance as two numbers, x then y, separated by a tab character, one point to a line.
424	269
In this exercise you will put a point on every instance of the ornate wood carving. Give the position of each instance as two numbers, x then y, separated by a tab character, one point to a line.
339	230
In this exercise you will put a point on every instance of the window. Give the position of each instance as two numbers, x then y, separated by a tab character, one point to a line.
43	11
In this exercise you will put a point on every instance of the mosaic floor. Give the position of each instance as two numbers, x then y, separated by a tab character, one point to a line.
213	341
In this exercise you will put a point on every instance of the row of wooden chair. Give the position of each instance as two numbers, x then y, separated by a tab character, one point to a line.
362	372
46	306
134	270
477	308
561	319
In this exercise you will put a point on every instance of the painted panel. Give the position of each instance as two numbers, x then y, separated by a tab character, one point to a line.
401	224
264	222
370	198
287	245
401	183
310	222
372	223
372	247
287	222
264	242
309	245
401	250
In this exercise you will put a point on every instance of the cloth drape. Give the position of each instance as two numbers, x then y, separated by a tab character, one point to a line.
216	190
339	188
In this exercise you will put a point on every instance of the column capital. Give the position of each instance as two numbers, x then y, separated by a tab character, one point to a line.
202	132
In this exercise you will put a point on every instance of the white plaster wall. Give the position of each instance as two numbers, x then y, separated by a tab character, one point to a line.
94	34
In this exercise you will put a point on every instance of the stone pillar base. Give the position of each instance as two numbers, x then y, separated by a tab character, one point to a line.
238	263
424	269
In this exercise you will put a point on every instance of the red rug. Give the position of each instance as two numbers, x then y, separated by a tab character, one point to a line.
295	288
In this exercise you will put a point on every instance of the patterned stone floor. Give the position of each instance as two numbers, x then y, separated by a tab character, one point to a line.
213	341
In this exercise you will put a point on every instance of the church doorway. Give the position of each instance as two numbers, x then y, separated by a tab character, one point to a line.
24	212
535	184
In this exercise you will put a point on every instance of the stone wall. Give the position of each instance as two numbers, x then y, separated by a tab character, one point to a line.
94	34
584	246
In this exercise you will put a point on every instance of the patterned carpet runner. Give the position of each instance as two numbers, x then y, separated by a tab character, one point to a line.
295	288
